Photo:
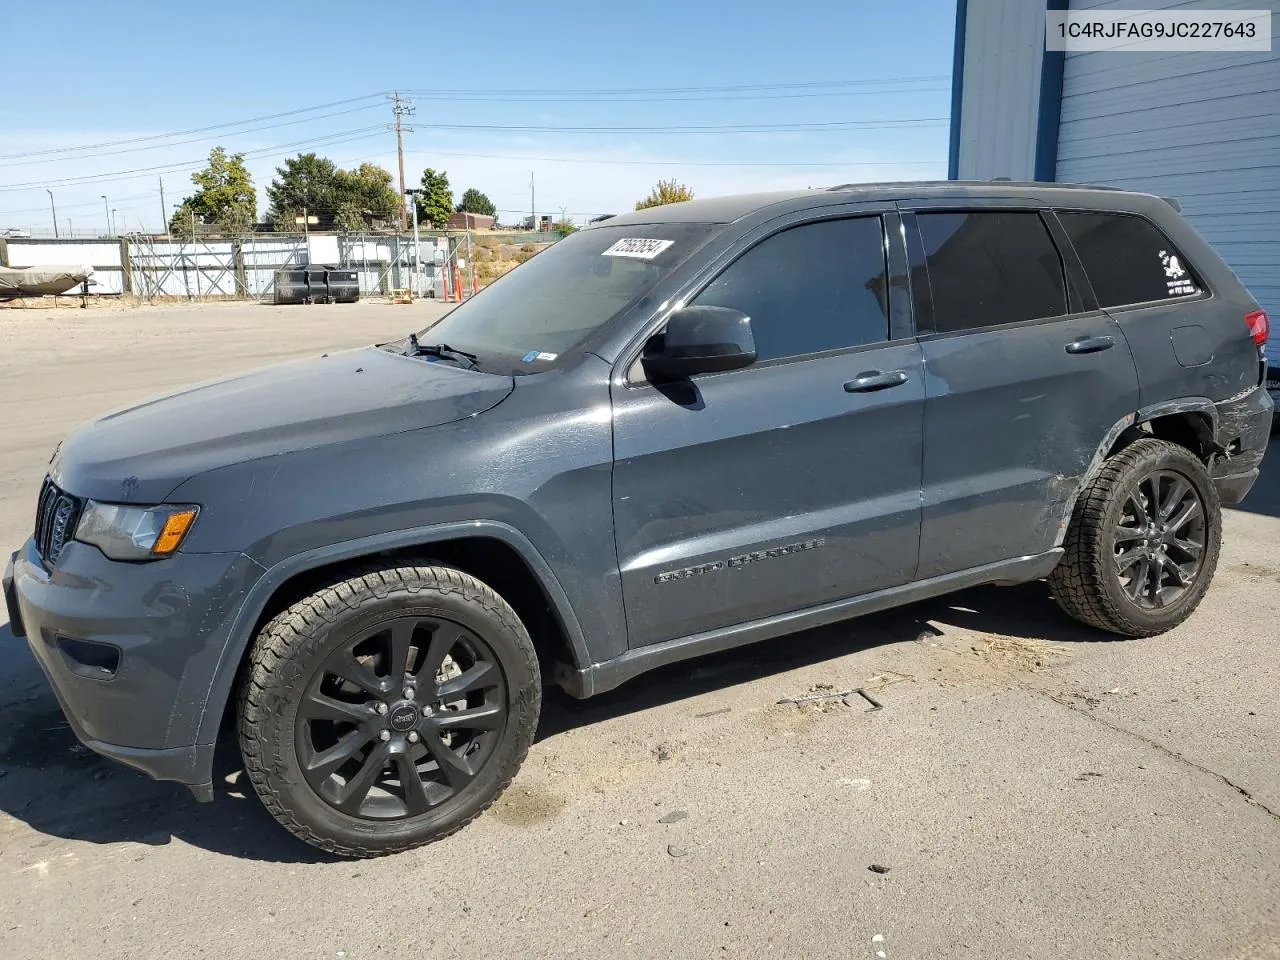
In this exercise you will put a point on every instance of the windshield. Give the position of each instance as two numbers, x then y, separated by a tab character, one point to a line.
525	320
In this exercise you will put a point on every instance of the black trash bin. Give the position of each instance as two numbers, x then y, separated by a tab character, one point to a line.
343	285
291	286
317	284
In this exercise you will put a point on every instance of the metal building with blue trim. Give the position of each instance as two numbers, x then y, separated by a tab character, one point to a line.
1202	127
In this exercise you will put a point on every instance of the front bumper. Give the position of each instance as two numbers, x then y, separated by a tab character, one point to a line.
1244	429
155	634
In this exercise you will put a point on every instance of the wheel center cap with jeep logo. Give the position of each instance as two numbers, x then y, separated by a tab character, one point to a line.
403	718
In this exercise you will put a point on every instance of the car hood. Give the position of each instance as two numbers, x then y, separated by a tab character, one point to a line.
141	453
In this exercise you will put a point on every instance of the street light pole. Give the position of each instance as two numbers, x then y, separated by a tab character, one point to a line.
115	227
417	246
106	208
53	210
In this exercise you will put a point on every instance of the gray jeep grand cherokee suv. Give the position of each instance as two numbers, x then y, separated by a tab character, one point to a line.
675	432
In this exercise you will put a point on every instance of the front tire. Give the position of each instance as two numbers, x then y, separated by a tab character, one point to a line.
1143	542
388	710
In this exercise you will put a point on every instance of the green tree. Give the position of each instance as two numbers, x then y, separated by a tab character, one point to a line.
305	182
473	201
564	228
435	203
352	199
363	195
224	197
667	191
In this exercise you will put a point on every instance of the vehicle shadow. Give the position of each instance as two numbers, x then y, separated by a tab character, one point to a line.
1026	611
62	789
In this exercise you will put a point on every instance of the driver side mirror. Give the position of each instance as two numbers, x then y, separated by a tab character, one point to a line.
699	340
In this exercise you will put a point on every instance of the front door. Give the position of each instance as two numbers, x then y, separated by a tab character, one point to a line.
789	483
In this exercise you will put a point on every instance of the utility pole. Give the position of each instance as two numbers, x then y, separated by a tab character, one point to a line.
106	208
533	207
401	107
54	211
164	218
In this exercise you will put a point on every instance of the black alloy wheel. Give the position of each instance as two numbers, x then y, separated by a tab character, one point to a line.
388	709
1160	539
400	718
1143	541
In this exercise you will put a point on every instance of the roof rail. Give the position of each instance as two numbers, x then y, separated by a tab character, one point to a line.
1002	181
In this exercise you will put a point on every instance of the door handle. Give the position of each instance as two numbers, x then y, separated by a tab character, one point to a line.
1090	344
875	380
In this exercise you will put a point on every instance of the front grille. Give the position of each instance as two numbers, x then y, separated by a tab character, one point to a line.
57	514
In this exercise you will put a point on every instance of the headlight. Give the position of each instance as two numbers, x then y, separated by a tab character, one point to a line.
126	532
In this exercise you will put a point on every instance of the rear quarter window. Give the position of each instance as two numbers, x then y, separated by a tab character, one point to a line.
1128	259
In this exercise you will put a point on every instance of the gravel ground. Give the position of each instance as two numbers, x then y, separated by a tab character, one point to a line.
1029	788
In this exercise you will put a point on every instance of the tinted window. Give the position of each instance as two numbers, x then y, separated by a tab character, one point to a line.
821	286
990	268
1127	259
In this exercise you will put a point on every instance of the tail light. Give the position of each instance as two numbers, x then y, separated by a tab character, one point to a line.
1259	326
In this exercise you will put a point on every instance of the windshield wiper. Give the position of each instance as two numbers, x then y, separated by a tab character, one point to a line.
441	351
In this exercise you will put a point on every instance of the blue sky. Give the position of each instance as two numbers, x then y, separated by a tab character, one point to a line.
96	73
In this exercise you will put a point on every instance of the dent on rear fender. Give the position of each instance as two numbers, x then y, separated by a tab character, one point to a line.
1066	490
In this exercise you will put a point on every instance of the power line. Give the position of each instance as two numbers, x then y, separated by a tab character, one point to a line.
182	133
179	143
63	205
814	88
694	98
730	88
345	136
690	163
705	128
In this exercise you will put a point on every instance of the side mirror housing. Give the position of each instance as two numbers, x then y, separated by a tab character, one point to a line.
700	340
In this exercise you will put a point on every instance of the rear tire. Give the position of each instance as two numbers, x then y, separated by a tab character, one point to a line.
388	710
1143	542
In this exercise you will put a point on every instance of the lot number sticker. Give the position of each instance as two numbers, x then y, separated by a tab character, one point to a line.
637	249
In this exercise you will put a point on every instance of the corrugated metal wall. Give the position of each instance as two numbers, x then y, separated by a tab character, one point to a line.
1000	97
1202	127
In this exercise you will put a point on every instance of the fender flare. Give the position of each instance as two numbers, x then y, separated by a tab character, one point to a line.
1150	412
240	634
1181	405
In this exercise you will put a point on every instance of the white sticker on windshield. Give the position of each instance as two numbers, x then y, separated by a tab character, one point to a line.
637	249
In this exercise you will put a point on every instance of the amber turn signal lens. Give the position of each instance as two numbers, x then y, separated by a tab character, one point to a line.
175	528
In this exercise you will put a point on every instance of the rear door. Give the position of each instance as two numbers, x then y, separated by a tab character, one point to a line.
1022	382
1187	341
791	482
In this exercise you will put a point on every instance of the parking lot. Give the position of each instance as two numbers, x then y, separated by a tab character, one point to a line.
1030	788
